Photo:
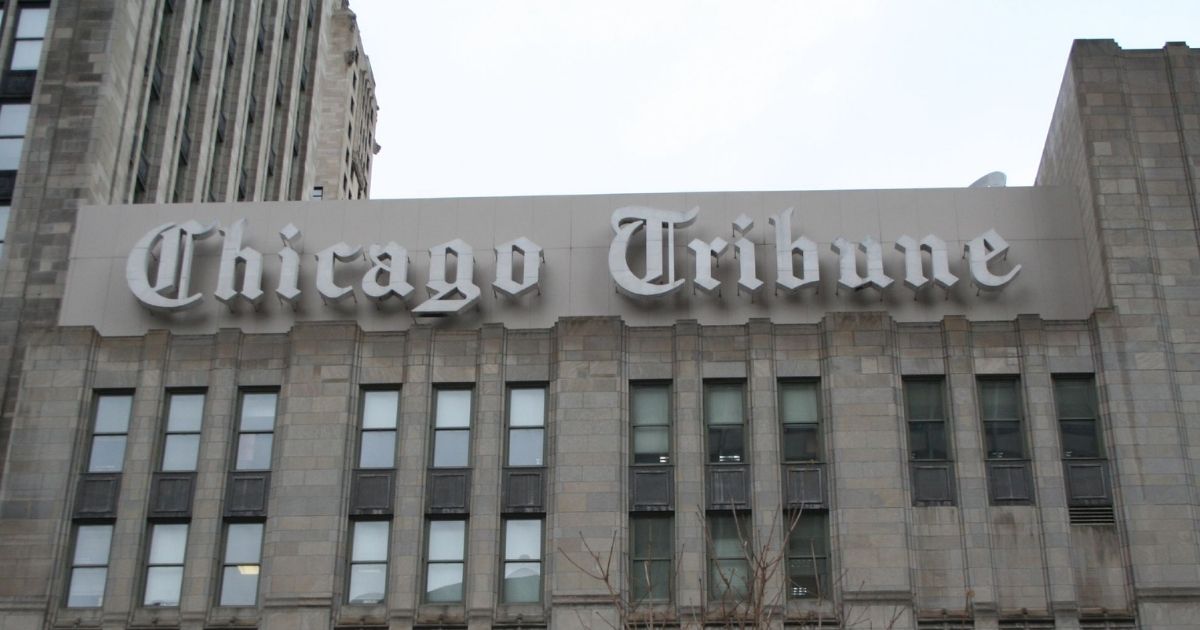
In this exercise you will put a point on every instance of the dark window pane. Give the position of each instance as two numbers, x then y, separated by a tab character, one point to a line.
651	580
808	578
378	449
651	405
108	453
801	443
923	400
254	451
729	579
725	444
723	404
450	449
239	585
1079	438
651	445
522	582
367	583
180	452
798	403
998	399
810	537
652	537
927	440
1003	439
87	588
1074	398
727	532
525	447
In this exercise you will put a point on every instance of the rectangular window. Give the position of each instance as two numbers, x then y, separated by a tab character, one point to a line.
181	449
1075	403
256	431
652	554
925	407
650	411
522	561
14	117
452	429
369	562
109	432
1000	405
5	211
445	561
800	413
526	426
724	415
729	562
89	566
164	567
808	556
31	29
377	444
241	564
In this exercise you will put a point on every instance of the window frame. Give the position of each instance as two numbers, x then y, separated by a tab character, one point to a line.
239	432
149	564
74	565
783	423
637	563
224	563
509	429
743	525
427	562
17	39
821	563
433	442
744	456
21	136
1019	405
669	426
167	432
505	561
1095	419
909	421
364	431
351	562
93	433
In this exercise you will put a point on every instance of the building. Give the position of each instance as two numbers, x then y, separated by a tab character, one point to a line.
165	101
978	406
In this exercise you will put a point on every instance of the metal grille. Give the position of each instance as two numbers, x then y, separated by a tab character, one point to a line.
945	624
1027	624
1085	515
1107	623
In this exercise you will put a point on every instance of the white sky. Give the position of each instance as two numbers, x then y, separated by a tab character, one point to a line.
612	96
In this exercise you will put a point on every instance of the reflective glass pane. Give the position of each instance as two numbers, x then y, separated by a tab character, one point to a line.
243	543
10	153
453	408
1074	398
651	580
370	541
258	411
522	582
444	582
998	399
446	540
379	409
806	578
810	537
87	588
651	445
26	55
927	440
108	453
254	451
167	543
527	407
726	536
1003	439
4	213
798	403
163	585
186	413
239	585
723	404
725	444
652	537
523	540
801	443
13	119
1079	438
112	414
180	452
367	583
451	448
525	447
923	400
729	578
651	405
91	544
32	23
378	449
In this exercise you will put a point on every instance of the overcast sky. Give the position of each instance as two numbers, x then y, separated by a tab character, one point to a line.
562	97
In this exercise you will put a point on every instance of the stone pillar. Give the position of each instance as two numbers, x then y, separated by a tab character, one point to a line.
688	425
485	533
406	574
770	523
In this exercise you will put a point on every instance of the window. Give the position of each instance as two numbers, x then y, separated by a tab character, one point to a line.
1001	408
368	562
4	214
652	553
526	426
522	561
800	413
377	444
109	433
14	118
651	419
808	556
89	566
31	29
181	449
452	429
256	429
445	561
729	562
925	407
164	567
723	412
1075	403
241	564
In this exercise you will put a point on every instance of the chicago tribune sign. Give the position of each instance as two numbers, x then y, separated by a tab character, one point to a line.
158	269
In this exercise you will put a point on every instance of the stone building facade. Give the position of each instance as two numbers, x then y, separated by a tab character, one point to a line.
1014	449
